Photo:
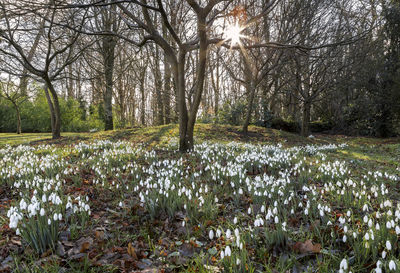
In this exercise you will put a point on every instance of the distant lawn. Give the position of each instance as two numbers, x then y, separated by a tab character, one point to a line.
24	138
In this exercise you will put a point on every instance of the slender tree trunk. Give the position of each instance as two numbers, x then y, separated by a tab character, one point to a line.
167	91
251	91
51	106
54	105
70	84
158	87
18	121
179	75
18	117
305	124
109	59
143	112
202	62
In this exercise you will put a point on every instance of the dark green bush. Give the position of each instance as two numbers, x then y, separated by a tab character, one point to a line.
233	113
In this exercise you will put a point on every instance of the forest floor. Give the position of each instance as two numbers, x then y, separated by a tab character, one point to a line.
126	201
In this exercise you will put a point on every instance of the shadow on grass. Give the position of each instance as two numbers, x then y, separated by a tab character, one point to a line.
59	141
156	137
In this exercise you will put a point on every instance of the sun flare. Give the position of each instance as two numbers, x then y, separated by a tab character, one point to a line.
233	33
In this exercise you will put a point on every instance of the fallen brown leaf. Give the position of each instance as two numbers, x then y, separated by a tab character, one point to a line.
307	247
85	246
132	251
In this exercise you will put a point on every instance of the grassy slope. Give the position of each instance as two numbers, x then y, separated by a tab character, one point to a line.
373	151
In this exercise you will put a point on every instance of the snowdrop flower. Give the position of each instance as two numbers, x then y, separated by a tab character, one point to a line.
235	220
383	254
22	204
388	245
237	261
392	265
219	233
222	255
228	233
211	234
228	251
344	238
42	212
343	264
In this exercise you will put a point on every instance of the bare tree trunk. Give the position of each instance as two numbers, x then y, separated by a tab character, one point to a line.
18	121
167	91
305	124
158	87
202	63
179	75
18	117
108	55
143	112
54	105
252	92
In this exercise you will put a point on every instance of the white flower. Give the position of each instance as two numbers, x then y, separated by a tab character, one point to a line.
237	261
383	254
344	238
222	255
235	220
228	251
388	245
228	233
42	212
55	217
392	265
343	264
211	234
121	204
